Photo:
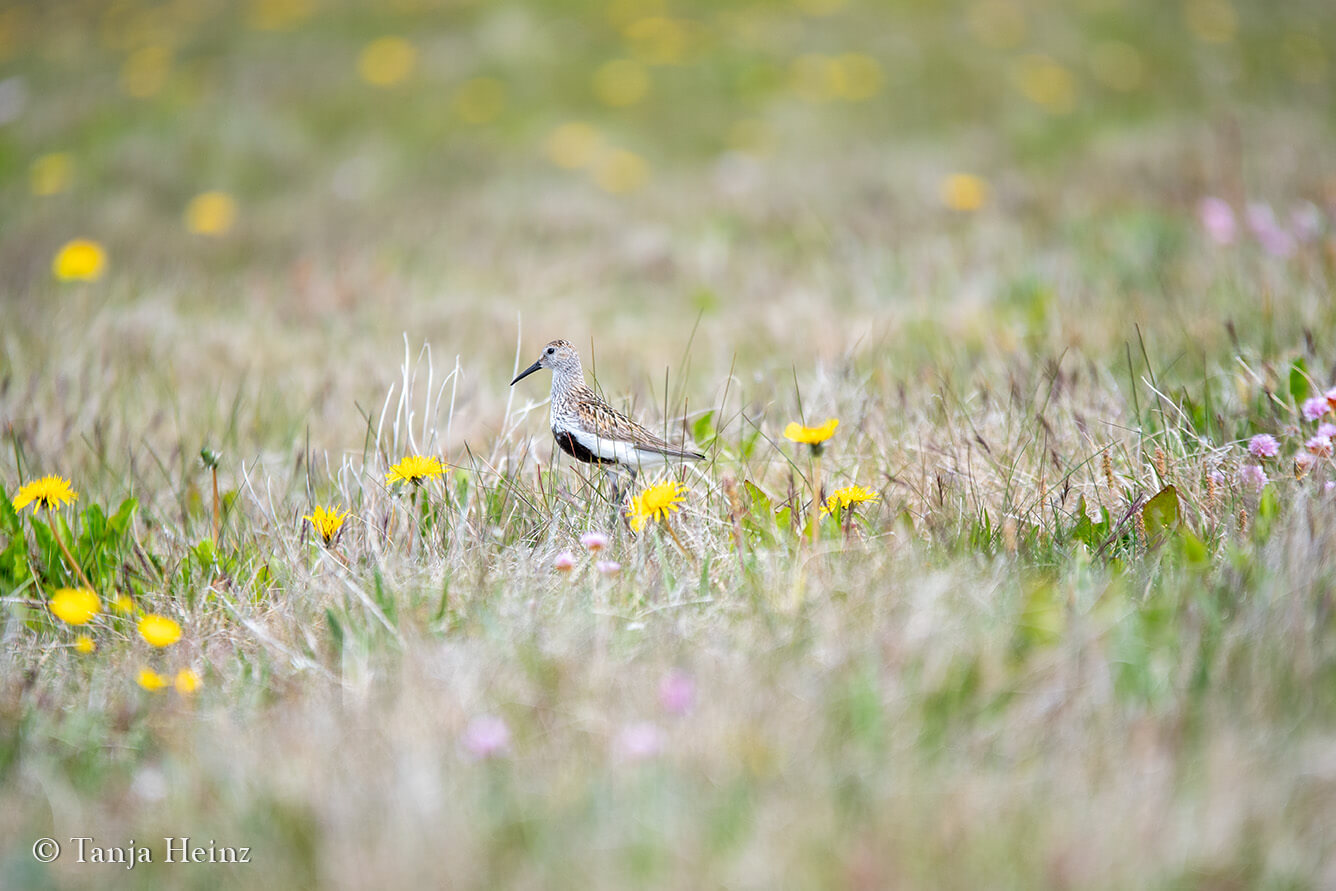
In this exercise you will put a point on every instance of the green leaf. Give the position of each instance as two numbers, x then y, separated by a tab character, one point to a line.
120	521
1161	515
1298	380
761	502
1194	549
9	518
205	552
703	430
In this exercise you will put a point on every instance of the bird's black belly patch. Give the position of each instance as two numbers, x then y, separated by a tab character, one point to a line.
572	446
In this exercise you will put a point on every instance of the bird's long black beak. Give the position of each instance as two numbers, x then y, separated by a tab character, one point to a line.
526	372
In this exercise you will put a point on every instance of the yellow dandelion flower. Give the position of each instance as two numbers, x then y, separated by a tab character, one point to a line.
812	436
414	469
145	71
51	174
150	680
848	497
211	213
657	40
1212	21
621	82
816	78
858	77
49	492
480	100
159	631
1046	83
620	171
84	644
656	503
964	192
386	61
75	606
327	522
186	682
573	145
79	260
123	605
278	15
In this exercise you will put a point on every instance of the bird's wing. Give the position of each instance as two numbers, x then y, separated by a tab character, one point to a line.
606	429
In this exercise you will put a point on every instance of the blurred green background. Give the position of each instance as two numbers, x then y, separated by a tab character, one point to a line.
322	122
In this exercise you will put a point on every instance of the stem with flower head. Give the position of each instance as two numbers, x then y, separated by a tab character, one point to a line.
816	492
668	524
64	549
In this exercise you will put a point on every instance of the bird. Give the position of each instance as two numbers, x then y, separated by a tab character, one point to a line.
590	430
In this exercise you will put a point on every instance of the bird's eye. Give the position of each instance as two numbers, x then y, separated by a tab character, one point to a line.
550	351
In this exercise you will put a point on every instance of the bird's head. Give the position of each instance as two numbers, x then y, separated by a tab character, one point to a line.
559	356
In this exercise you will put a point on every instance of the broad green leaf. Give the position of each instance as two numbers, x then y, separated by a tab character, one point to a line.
120	521
761	502
1194	549
1161	515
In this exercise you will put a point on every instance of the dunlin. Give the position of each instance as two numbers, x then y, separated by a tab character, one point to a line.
590	430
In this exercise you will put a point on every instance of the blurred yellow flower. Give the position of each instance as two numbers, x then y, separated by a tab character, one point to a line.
386	61
811	435
123	605
964	191
150	680
51	174
751	136
414	469
573	145
1117	65
159	631
480	100
849	496
187	682
657	40
327	522
1046	83
84	644
79	260
1211	21
49	492
858	76
621	82
75	606
656	503
620	171
278	15
815	78
145	71
211	213
997	23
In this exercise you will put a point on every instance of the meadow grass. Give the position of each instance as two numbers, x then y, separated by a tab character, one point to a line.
1069	644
